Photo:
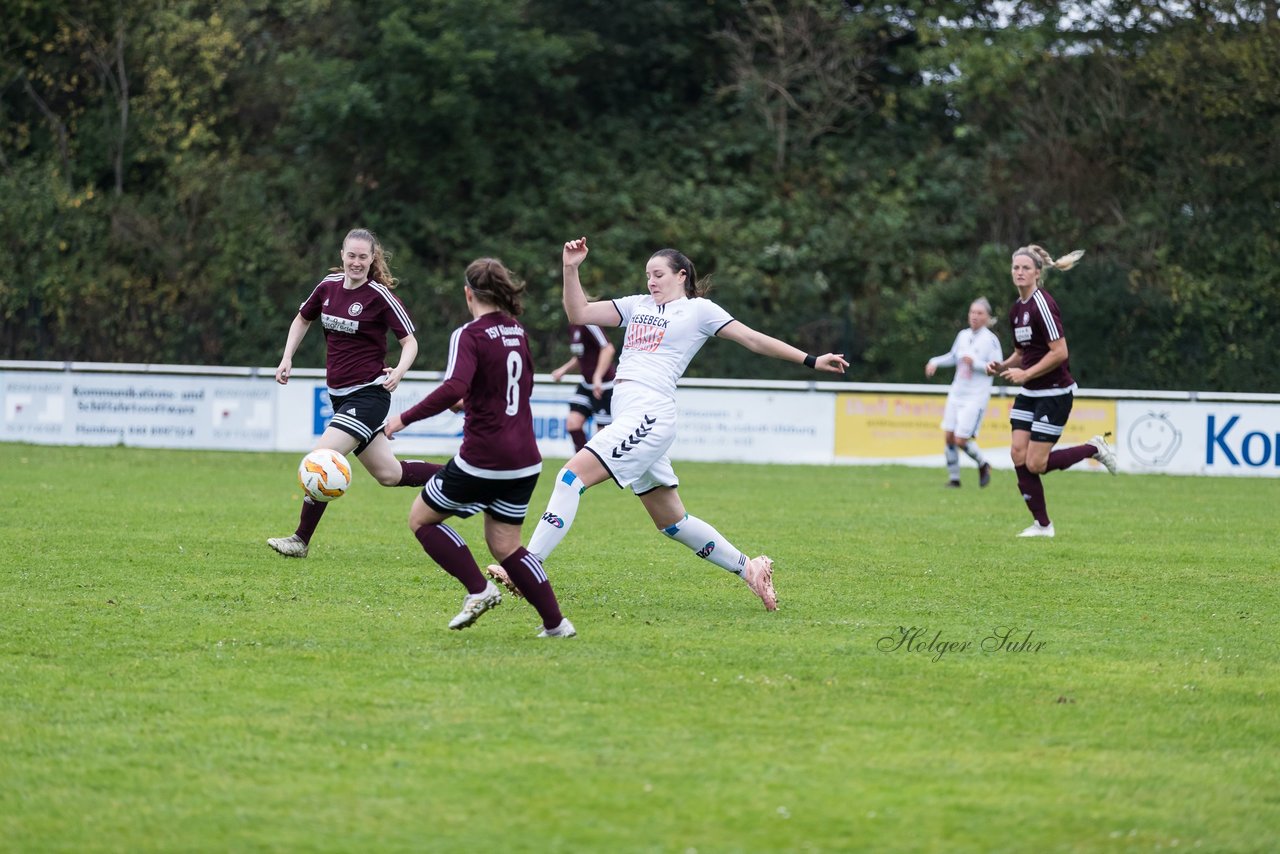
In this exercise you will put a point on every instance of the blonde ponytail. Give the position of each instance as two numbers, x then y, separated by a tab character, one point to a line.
1041	257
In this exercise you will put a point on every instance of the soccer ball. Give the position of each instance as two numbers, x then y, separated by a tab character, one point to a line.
324	474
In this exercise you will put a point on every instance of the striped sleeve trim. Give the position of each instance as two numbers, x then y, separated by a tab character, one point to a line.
1046	314
598	334
332	277
397	307
454	339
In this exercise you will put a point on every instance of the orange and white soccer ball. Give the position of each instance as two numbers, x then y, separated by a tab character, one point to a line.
324	474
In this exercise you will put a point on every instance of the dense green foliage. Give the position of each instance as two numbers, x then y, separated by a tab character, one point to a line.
171	684
174	176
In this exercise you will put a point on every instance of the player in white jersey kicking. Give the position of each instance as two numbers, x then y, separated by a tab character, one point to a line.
665	328
970	389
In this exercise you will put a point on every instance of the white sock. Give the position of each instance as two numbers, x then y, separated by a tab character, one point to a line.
707	543
953	462
558	518
975	453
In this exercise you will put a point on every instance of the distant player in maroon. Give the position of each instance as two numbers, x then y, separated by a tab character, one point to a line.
497	467
356	309
1038	333
1040	365
593	359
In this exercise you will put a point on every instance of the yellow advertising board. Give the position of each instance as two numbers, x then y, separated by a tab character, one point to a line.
908	426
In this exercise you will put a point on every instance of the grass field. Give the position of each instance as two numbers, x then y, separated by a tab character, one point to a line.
169	683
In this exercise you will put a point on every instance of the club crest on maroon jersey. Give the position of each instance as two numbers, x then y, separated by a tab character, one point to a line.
355	309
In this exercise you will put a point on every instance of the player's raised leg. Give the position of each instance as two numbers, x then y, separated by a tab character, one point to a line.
668	513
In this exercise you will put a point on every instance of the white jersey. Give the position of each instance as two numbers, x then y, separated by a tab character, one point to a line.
661	340
971	380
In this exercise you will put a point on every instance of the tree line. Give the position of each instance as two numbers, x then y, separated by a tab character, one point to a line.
176	175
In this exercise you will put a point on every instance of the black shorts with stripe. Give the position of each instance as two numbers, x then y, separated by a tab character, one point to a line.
584	400
457	493
1044	417
361	414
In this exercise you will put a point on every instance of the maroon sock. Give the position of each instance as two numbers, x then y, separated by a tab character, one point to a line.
579	441
527	573
416	472
1065	458
310	517
449	550
1032	493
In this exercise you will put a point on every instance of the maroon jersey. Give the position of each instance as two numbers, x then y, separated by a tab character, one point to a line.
490	366
586	342
355	325
1036	323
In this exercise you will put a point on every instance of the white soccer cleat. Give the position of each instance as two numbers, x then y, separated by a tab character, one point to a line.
564	630
473	605
498	574
290	546
1038	530
759	577
1106	454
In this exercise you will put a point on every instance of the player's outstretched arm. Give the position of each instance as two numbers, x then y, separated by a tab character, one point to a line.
558	373
766	345
576	306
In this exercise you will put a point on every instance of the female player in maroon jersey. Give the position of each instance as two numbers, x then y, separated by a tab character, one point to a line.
356	309
593	359
1040	365
497	467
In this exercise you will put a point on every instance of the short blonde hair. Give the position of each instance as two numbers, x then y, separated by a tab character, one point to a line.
985	304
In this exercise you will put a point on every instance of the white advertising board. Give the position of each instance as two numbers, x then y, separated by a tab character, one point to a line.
715	425
741	425
200	408
1174	437
150	411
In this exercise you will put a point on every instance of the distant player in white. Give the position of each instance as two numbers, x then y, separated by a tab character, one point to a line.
967	400
665	328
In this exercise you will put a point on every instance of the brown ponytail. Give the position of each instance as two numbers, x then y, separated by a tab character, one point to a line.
491	282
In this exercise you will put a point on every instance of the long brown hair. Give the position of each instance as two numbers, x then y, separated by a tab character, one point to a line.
693	286
491	281
379	269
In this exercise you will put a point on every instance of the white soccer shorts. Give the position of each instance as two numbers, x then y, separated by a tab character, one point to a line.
634	447
963	416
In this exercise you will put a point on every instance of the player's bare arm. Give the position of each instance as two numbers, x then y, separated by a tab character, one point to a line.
558	373
576	306
297	330
1056	356
995	368
766	345
408	352
602	367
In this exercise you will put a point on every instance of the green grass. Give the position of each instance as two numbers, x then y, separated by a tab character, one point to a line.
169	683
